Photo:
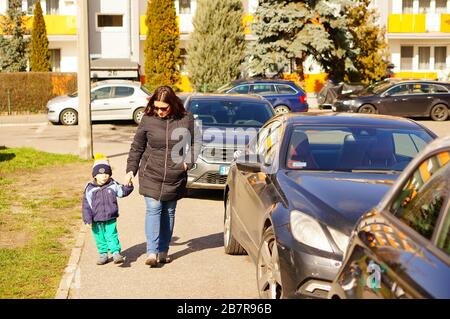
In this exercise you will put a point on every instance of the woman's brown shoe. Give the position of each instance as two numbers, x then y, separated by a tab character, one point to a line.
151	260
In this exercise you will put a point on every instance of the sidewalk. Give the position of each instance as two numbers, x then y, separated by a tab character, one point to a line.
24	119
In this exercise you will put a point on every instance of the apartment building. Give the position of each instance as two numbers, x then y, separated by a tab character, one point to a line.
418	34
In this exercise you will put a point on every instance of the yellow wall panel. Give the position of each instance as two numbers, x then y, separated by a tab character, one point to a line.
407	23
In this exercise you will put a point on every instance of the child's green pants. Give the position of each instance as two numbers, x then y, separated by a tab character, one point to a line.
106	236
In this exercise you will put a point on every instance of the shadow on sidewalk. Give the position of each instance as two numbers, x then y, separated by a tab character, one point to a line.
196	244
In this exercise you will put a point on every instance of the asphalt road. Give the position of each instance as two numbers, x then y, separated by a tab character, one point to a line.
200	268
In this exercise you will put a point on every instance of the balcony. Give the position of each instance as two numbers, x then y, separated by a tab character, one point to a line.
407	23
55	24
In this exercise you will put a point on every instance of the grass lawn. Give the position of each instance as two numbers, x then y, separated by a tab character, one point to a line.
40	213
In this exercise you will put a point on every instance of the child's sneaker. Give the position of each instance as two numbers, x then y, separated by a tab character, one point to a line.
151	260
118	258
102	259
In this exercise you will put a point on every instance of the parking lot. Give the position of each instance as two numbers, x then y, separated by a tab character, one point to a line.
201	269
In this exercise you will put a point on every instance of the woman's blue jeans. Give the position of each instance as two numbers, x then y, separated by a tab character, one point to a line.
159	222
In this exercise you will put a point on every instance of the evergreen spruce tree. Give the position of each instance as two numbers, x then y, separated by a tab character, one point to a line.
40	55
368	38
216	48
13	44
162	52
296	29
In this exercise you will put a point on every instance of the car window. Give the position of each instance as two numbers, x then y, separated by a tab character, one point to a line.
443	241
285	89
123	91
418	88
420	202
407	145
242	89
268	142
231	113
263	88
438	89
352	148
102	93
401	89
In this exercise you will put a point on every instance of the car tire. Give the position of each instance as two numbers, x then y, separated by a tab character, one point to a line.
68	117
367	108
282	109
138	114
268	275
439	112
231	245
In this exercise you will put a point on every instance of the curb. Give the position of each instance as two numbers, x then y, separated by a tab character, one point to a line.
70	279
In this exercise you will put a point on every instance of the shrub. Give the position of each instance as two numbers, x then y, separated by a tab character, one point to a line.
29	92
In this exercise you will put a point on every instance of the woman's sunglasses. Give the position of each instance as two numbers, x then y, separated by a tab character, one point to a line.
156	108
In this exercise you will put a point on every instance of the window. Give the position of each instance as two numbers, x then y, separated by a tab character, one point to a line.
52	6
407	6
441	6
102	93
185	6
123	91
242	89
440	57
438	89
418	88
55	60
285	89
30	7
268	142
402	89
424	6
109	20
420	202
424	58
183	57
263	88
406	62
407	145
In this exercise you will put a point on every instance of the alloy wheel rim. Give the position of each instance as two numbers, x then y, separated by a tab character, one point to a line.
269	277
69	117
439	112
139	116
367	109
281	110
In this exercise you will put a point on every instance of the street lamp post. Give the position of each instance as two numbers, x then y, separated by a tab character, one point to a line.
84	82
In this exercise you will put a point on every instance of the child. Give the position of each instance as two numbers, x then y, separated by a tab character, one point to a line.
101	210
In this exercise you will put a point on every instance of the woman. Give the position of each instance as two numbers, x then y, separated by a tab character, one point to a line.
163	150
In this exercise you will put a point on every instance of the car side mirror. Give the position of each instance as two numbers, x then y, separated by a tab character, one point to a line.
93	97
249	163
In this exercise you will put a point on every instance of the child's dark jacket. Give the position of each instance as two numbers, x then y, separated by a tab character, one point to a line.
100	202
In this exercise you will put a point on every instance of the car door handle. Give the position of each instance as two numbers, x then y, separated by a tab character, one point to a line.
105	103
404	99
132	102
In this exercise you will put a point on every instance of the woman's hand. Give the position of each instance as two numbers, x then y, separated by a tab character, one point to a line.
185	166
128	178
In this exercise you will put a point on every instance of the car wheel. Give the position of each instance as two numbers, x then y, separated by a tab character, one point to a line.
138	114
439	112
280	109
232	247
268	275
69	117
367	108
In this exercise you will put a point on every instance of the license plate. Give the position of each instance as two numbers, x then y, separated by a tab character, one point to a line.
333	108
223	170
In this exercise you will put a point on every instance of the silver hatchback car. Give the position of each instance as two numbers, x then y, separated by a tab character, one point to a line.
111	100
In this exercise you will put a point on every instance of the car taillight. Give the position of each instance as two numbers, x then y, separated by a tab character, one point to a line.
302	99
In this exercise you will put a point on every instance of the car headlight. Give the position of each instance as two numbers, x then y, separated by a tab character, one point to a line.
349	102
308	231
339	238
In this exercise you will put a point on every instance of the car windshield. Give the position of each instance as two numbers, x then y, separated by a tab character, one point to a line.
379	87
230	113
225	88
354	148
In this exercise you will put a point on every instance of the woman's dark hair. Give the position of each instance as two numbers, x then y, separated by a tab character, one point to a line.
167	95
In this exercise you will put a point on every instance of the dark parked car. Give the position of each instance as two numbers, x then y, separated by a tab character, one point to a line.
399	97
297	190
285	96
228	123
401	248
